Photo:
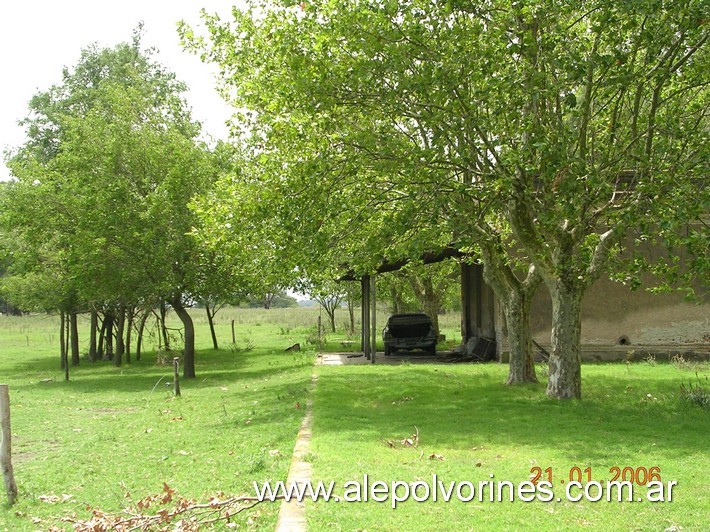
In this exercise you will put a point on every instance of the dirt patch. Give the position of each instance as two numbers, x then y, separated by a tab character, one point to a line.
26	452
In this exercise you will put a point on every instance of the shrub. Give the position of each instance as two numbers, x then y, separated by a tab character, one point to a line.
238	348
697	394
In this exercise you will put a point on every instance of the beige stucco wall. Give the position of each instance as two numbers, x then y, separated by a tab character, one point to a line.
610	311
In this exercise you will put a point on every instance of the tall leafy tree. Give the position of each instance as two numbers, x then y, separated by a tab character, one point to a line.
539	134
110	165
359	173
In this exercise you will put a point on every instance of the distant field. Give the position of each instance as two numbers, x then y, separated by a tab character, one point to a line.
113	431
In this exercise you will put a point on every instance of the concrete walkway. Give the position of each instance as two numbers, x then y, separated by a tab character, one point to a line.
292	514
346	359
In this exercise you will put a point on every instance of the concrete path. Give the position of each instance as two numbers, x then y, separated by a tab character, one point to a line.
292	514
346	359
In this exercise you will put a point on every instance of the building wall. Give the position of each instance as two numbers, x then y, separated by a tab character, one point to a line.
613	315
617	323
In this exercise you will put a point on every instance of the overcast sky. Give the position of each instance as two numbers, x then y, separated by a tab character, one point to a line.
40	37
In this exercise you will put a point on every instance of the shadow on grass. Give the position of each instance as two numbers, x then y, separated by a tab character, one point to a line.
460	409
213	368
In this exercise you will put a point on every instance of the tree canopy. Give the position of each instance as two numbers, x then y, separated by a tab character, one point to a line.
99	210
537	134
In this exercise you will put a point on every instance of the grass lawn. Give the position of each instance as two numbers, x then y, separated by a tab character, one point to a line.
471	427
112	431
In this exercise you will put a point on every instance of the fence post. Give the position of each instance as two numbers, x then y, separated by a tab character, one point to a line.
234	338
176	377
6	446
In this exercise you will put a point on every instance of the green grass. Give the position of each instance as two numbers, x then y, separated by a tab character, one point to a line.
478	427
115	430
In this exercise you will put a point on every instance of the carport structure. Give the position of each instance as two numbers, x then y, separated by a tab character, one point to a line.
481	316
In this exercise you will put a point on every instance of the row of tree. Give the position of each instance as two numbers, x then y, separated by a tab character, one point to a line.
98	219
542	137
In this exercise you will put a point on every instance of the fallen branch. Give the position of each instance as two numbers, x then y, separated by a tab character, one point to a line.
184	515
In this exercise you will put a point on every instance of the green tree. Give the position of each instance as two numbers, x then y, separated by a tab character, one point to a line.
110	165
238	225
356	172
609	123
425	288
537	134
432	287
330	296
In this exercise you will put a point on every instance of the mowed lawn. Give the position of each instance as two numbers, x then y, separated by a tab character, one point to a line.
472	428
112	431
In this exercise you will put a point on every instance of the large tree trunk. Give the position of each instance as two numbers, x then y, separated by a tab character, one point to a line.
62	343
130	315
108	332
210	320
74	327
566	278
189	359
163	327
66	349
565	379
141	328
517	317
64	338
431	304
515	296
120	343
429	298
93	325
397	302
92	335
101	348
331	317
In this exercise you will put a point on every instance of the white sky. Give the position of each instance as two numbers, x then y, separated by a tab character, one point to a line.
40	37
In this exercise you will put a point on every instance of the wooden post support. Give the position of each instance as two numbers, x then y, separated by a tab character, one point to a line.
373	316
234	338
366	307
6	446
320	329
176	376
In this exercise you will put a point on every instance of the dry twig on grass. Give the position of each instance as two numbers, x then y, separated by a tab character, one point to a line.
174	513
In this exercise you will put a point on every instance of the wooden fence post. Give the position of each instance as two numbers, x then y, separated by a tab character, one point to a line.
176	377
6	446
234	338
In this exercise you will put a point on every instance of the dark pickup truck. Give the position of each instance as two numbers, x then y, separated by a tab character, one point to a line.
407	332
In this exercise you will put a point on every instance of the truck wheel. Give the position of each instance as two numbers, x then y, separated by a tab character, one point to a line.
388	351
432	350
